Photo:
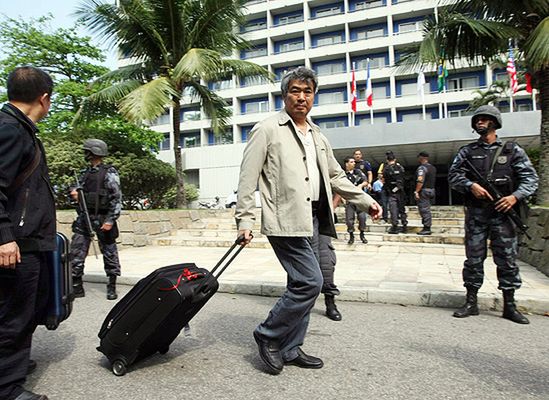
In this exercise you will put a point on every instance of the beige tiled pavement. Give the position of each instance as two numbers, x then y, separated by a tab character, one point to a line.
408	279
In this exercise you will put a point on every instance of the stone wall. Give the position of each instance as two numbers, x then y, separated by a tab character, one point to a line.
536	251
138	228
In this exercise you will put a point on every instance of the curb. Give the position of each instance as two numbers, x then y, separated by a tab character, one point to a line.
434	298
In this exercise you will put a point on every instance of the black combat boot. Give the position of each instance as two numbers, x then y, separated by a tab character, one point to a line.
425	231
351	238
471	306
404	229
510	311
331	310
363	238
393	230
111	288
78	287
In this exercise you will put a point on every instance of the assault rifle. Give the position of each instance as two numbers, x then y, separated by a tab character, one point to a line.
494	192
84	209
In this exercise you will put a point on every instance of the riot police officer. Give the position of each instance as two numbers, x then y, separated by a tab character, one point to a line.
359	179
393	175
507	166
424	193
101	187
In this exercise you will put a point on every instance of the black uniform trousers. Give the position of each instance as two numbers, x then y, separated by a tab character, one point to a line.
23	301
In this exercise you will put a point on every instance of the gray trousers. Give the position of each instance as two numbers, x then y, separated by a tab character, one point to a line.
80	245
481	224
397	208
426	198
350	211
288	320
327	262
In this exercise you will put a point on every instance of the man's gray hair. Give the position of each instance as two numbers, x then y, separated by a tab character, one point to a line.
302	74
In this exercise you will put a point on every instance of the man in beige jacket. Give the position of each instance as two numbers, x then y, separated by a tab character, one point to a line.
295	168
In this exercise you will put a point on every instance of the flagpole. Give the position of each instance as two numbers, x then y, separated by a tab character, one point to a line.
511	101
534	106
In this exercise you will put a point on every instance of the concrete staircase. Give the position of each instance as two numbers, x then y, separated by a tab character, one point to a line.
218	229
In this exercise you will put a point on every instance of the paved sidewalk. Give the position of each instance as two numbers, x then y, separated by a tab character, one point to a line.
404	278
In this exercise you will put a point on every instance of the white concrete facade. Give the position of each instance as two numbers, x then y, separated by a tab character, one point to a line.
331	37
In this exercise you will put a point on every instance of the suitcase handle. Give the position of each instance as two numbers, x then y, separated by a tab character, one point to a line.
237	242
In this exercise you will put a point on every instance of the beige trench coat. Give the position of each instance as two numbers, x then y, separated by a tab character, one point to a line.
275	159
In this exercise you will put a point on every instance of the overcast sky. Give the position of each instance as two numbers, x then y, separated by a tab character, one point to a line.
61	10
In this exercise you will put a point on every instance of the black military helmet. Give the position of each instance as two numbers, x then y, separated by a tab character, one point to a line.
489	111
96	147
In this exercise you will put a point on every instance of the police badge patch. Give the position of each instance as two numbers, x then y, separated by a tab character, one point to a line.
502	160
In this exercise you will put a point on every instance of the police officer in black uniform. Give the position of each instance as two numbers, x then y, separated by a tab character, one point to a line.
425	191
393	174
359	179
101	187
507	166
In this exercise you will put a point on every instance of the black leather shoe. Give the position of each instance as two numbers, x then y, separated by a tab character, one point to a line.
270	354
32	367
393	230
305	361
27	395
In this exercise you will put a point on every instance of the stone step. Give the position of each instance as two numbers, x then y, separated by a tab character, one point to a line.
372	246
414	226
436	211
343	237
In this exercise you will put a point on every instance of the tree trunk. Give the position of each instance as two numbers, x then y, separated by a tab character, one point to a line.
180	199
543	169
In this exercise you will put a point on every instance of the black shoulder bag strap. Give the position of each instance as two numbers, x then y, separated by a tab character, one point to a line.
27	172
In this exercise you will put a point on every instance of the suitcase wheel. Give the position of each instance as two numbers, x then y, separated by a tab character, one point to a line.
119	367
164	350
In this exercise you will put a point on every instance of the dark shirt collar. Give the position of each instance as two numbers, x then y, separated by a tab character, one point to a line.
482	143
17	113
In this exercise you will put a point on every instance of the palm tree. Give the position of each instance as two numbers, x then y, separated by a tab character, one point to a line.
479	31
177	46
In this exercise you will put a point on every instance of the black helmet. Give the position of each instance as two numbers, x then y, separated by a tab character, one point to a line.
489	111
96	146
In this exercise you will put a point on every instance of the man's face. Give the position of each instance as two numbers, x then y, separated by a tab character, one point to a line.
484	124
299	99
357	155
350	165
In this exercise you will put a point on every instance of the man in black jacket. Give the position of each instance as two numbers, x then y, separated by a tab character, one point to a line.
27	226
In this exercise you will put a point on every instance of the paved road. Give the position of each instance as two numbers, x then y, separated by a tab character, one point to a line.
377	352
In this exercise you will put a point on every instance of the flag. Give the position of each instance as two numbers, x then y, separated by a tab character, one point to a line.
528	78
353	91
369	93
442	75
421	84
512	72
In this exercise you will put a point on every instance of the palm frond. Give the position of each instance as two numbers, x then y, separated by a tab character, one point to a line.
197	63
148	101
130	26
107	97
214	106
536	46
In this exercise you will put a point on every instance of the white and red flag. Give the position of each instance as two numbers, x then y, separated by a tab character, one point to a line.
369	93
353	91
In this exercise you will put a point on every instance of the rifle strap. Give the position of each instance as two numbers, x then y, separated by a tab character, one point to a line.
496	155
27	172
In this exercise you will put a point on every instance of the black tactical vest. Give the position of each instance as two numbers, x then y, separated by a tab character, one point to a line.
498	171
97	196
394	176
430	177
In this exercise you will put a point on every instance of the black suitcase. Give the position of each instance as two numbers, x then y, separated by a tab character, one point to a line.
61	293
153	313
